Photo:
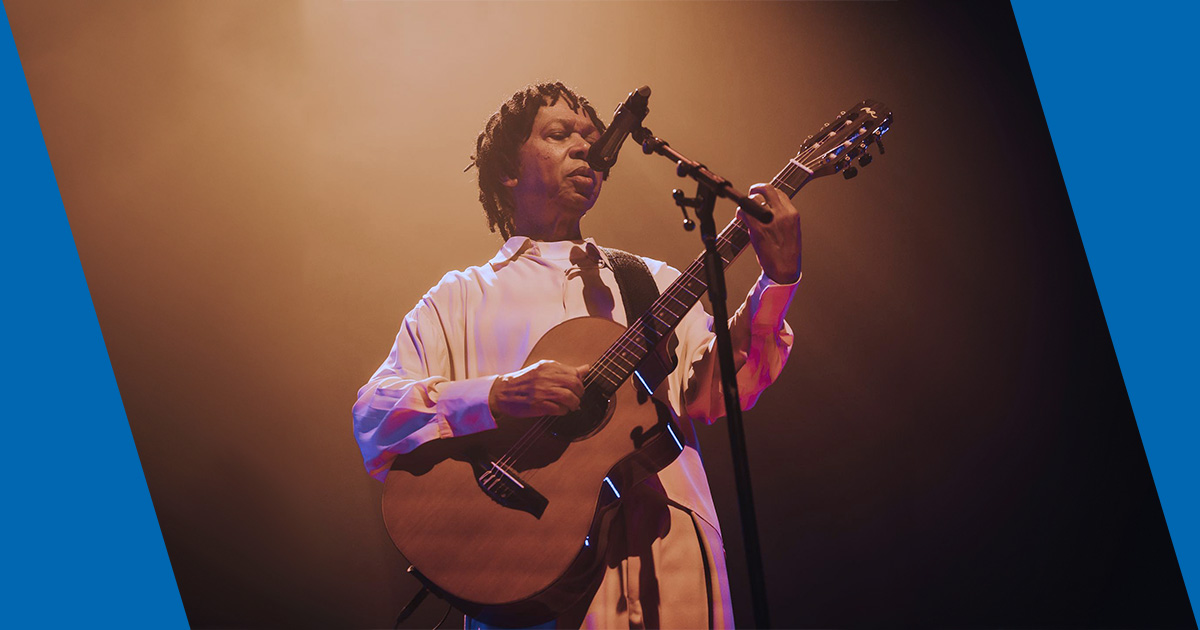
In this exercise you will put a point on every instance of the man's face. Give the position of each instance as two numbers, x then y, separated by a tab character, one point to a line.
555	182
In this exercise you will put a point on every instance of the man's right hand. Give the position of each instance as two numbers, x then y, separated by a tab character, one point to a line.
545	388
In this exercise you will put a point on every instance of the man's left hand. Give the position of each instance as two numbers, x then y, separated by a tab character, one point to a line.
777	244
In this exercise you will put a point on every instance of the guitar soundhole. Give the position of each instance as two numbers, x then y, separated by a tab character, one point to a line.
594	411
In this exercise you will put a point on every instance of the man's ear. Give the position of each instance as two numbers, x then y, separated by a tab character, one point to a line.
510	182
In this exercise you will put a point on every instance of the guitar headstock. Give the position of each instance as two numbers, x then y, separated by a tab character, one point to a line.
838	145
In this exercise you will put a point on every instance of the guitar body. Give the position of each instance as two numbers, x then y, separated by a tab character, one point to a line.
526	562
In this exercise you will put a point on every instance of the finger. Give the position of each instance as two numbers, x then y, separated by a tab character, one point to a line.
561	403
569	383
742	213
570	378
576	387
767	191
750	220
545	405
773	200
780	203
566	398
551	408
573	375
549	368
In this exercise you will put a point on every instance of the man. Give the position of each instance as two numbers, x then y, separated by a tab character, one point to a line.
456	364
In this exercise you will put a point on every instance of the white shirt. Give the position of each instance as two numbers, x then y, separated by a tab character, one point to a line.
483	321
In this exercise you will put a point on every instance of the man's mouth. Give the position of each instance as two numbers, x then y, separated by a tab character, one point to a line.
583	179
582	171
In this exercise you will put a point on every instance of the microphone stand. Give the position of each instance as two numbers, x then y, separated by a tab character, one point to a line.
709	186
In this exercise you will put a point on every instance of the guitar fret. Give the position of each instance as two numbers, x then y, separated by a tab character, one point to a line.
607	384
638	341
619	355
642	334
646	338
661	303
685	304
652	334
604	370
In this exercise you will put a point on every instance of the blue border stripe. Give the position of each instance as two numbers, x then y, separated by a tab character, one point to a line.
1117	85
82	544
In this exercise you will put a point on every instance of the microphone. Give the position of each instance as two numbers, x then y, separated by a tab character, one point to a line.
626	119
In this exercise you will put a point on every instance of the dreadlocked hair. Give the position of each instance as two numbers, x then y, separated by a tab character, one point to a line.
501	139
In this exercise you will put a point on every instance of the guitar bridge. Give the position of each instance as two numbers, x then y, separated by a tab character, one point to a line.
504	486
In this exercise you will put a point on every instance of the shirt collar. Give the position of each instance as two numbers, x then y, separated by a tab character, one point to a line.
518	246
510	250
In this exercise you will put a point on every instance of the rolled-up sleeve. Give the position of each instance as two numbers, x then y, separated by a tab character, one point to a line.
762	341
412	399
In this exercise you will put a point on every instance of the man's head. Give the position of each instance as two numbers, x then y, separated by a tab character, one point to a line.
518	166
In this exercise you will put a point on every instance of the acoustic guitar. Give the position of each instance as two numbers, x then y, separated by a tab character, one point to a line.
510	525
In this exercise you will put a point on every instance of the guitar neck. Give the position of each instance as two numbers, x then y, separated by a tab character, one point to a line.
623	357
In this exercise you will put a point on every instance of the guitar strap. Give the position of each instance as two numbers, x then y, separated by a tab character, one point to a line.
638	292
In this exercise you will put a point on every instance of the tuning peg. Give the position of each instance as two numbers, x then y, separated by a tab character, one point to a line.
879	141
865	159
850	173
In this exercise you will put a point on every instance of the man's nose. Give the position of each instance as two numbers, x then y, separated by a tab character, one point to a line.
580	147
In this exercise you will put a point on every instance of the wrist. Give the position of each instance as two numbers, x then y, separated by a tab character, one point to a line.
493	398
783	276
